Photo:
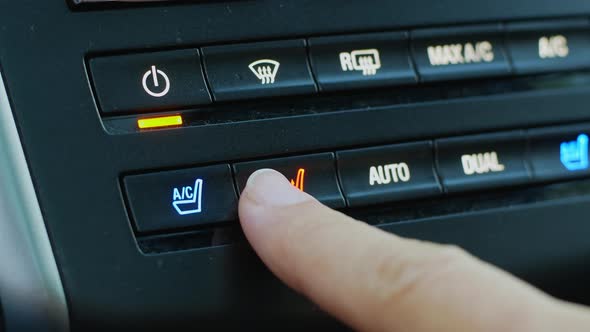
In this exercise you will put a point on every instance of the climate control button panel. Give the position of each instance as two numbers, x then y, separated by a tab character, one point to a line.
208	196
193	78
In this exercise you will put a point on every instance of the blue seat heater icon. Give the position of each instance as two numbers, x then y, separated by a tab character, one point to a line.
193	204
574	154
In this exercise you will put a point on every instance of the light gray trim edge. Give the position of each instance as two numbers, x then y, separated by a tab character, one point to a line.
31	291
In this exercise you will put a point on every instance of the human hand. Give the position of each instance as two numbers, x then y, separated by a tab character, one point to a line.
376	281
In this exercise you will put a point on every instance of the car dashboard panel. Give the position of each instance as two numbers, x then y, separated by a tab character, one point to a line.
130	130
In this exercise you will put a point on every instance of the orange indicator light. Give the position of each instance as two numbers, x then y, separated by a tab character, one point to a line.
299	180
159	122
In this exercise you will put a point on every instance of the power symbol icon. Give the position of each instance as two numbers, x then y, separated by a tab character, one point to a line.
156	83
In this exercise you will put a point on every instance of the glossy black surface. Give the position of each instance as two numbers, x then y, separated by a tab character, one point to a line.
76	165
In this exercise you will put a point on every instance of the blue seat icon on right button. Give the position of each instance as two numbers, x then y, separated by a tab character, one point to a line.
574	154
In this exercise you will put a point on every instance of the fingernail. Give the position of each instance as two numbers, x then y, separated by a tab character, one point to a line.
269	187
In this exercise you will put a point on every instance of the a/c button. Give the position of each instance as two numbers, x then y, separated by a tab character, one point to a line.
387	173
183	198
485	161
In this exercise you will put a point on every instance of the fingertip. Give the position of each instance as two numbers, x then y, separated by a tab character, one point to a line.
266	191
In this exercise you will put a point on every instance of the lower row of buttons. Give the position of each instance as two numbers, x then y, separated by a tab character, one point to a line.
207	195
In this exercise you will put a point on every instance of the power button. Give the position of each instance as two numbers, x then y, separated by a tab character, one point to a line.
161	82
137	83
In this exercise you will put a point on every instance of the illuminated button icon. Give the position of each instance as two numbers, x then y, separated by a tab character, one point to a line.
574	154
389	173
265	70
551	47
187	200
160	122
299	181
366	61
456	54
481	163
155	82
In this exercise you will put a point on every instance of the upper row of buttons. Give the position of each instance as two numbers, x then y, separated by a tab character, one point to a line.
176	79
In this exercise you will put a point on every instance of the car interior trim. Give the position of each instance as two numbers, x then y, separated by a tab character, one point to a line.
30	286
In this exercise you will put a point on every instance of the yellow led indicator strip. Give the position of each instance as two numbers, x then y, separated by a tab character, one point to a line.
159	122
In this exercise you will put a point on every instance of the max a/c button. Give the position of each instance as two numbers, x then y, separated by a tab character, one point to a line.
459	53
486	161
184	198
388	173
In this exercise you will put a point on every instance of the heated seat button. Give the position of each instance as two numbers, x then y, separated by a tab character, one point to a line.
258	70
149	81
459	53
485	161
357	61
549	45
557	153
183	198
314	174
388	173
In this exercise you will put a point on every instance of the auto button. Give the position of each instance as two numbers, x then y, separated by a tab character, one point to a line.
387	173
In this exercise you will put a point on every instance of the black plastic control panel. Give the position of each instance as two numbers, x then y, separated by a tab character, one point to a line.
174	80
387	93
368	176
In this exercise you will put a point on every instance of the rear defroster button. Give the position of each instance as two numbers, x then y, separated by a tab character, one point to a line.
361	61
